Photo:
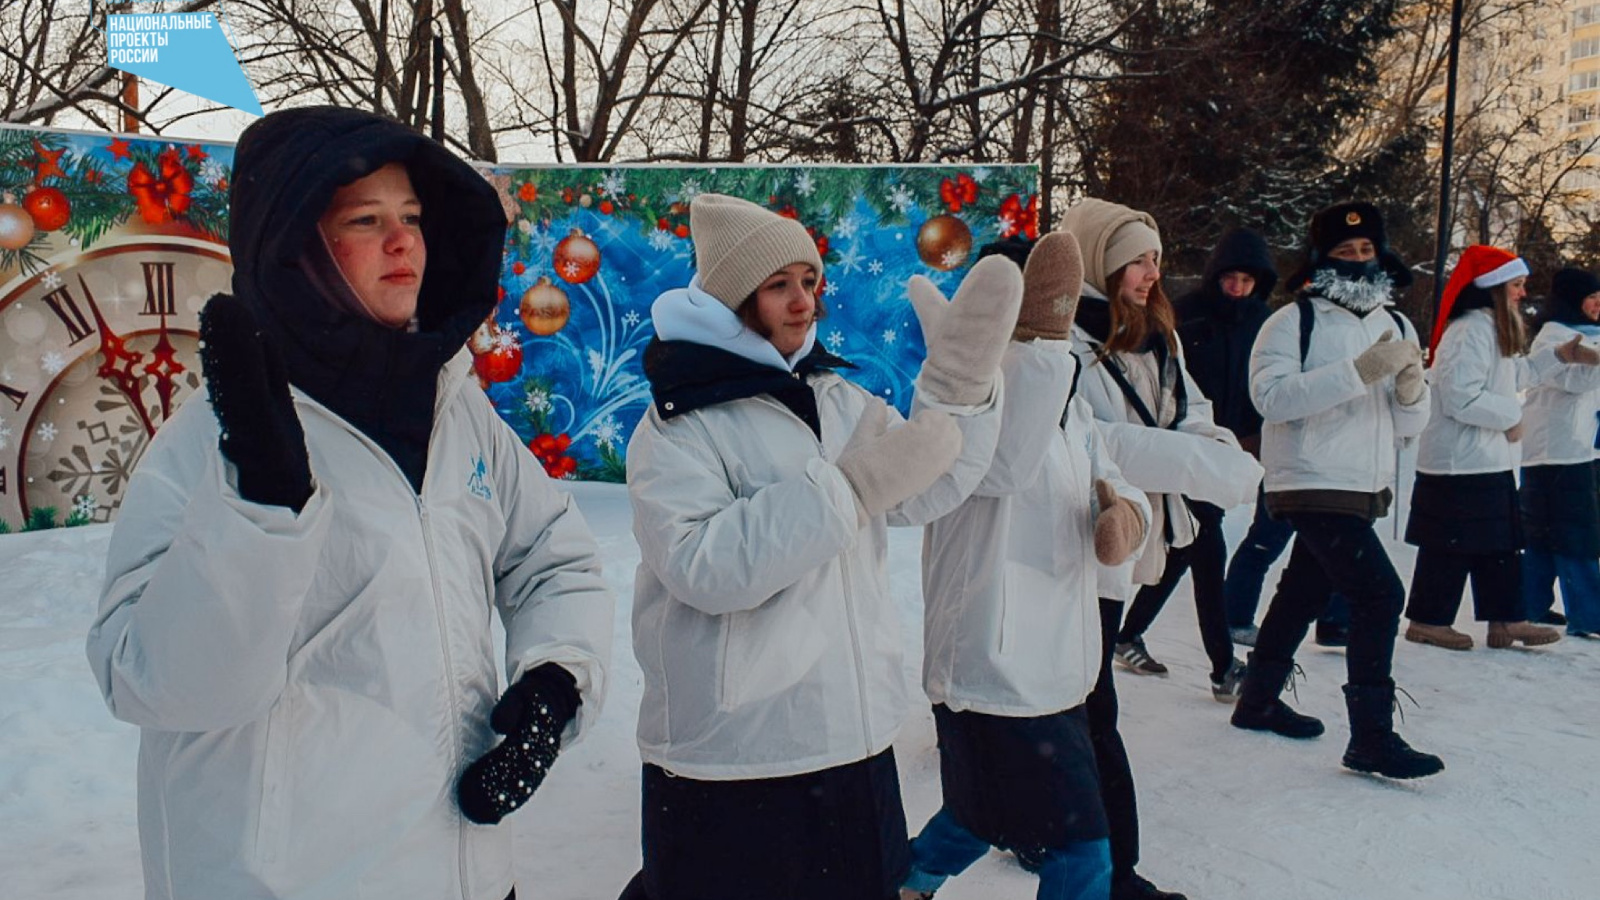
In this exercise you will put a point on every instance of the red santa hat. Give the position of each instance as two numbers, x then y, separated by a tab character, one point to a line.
1484	267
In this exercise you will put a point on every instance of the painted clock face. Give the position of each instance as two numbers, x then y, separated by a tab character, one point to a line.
96	352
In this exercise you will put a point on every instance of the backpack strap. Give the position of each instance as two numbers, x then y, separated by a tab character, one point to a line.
1180	392
1308	318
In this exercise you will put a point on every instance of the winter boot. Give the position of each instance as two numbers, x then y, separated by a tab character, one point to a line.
1504	634
1438	635
1134	886
1332	635
1259	708
1374	746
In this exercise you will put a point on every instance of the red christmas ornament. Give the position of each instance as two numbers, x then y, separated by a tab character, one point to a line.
577	258
944	242
49	208
544	308
482	339
502	362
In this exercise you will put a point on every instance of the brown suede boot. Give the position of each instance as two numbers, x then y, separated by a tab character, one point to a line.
1441	636
1504	634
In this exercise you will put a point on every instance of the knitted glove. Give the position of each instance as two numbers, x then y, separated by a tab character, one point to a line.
261	435
967	336
1576	351
886	467
531	715
1118	529
1514	433
1386	357
1408	384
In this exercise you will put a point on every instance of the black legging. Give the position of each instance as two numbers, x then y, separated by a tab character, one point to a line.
1208	557
1110	756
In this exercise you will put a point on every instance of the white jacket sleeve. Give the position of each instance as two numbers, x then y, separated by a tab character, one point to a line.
1103	465
203	589
719	552
1569	377
1462	372
548	585
1173	462
1280	390
1037	380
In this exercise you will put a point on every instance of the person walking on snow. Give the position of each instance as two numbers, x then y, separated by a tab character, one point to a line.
763	484
1338	379
1157	429
1560	516
301	579
1011	622
1464	510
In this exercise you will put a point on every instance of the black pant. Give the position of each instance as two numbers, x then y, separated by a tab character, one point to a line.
1208	557
1110	756
1336	553
1441	576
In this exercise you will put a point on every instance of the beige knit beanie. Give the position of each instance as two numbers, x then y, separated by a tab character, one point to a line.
1111	236
738	245
1052	280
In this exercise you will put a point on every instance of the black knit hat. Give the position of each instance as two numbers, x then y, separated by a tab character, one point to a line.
1341	222
1571	285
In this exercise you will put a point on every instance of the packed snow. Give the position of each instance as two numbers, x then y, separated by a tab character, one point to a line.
1225	814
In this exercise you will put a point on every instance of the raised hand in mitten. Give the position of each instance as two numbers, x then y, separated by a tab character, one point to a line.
1386	357
886	466
1576	351
1052	281
1408	384
1118	529
966	336
531	715
261	435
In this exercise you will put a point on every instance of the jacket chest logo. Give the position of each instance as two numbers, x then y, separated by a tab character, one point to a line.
477	483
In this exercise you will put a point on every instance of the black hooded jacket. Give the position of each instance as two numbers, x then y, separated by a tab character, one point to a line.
1218	331
381	380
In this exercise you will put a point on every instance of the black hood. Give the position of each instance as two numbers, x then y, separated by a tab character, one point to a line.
1242	250
1567	290
287	167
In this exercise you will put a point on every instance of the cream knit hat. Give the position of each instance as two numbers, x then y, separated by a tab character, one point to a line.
738	245
1111	236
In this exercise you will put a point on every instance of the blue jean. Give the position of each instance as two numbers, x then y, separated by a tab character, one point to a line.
1247	571
1080	871
1580	587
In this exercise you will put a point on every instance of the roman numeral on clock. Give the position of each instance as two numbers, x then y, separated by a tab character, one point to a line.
159	295
66	309
17	397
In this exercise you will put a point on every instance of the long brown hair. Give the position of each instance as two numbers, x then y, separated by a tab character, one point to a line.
1132	325
1510	332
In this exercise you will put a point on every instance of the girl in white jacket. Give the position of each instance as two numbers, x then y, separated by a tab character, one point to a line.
1559	511
1464	516
762	486
1011	621
301	581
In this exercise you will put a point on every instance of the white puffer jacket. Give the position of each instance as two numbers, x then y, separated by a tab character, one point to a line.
1011	620
1325	430
762	620
1474	398
1559	413
310	687
1198	459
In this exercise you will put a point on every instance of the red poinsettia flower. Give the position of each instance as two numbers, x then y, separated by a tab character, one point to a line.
958	192
528	192
161	197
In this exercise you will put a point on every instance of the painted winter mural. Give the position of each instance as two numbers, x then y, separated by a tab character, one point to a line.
589	250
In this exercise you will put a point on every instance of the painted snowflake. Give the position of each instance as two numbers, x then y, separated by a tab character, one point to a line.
1003	224
5	434
889	335
47	431
980	175
850	260
630	318
607	432
544	241
572	270
51	280
538	400
831	288
689	190
84	506
53	363
803	185
875	267
834	339
953	258
846	227
900	198
615	183
660	240
212	171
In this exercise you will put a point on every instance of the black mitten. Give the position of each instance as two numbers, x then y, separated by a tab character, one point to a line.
531	715
261	435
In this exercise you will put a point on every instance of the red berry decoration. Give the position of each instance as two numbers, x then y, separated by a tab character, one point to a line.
48	207
577	258
944	242
544	308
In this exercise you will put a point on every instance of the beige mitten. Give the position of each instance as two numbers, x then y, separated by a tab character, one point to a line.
887	466
1408	384
967	335
1386	357
1576	351
1119	529
1052	281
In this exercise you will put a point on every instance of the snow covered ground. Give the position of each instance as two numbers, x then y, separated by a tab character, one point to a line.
1226	815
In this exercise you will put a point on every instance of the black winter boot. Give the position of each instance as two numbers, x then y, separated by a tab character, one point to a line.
1374	746
1259	708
